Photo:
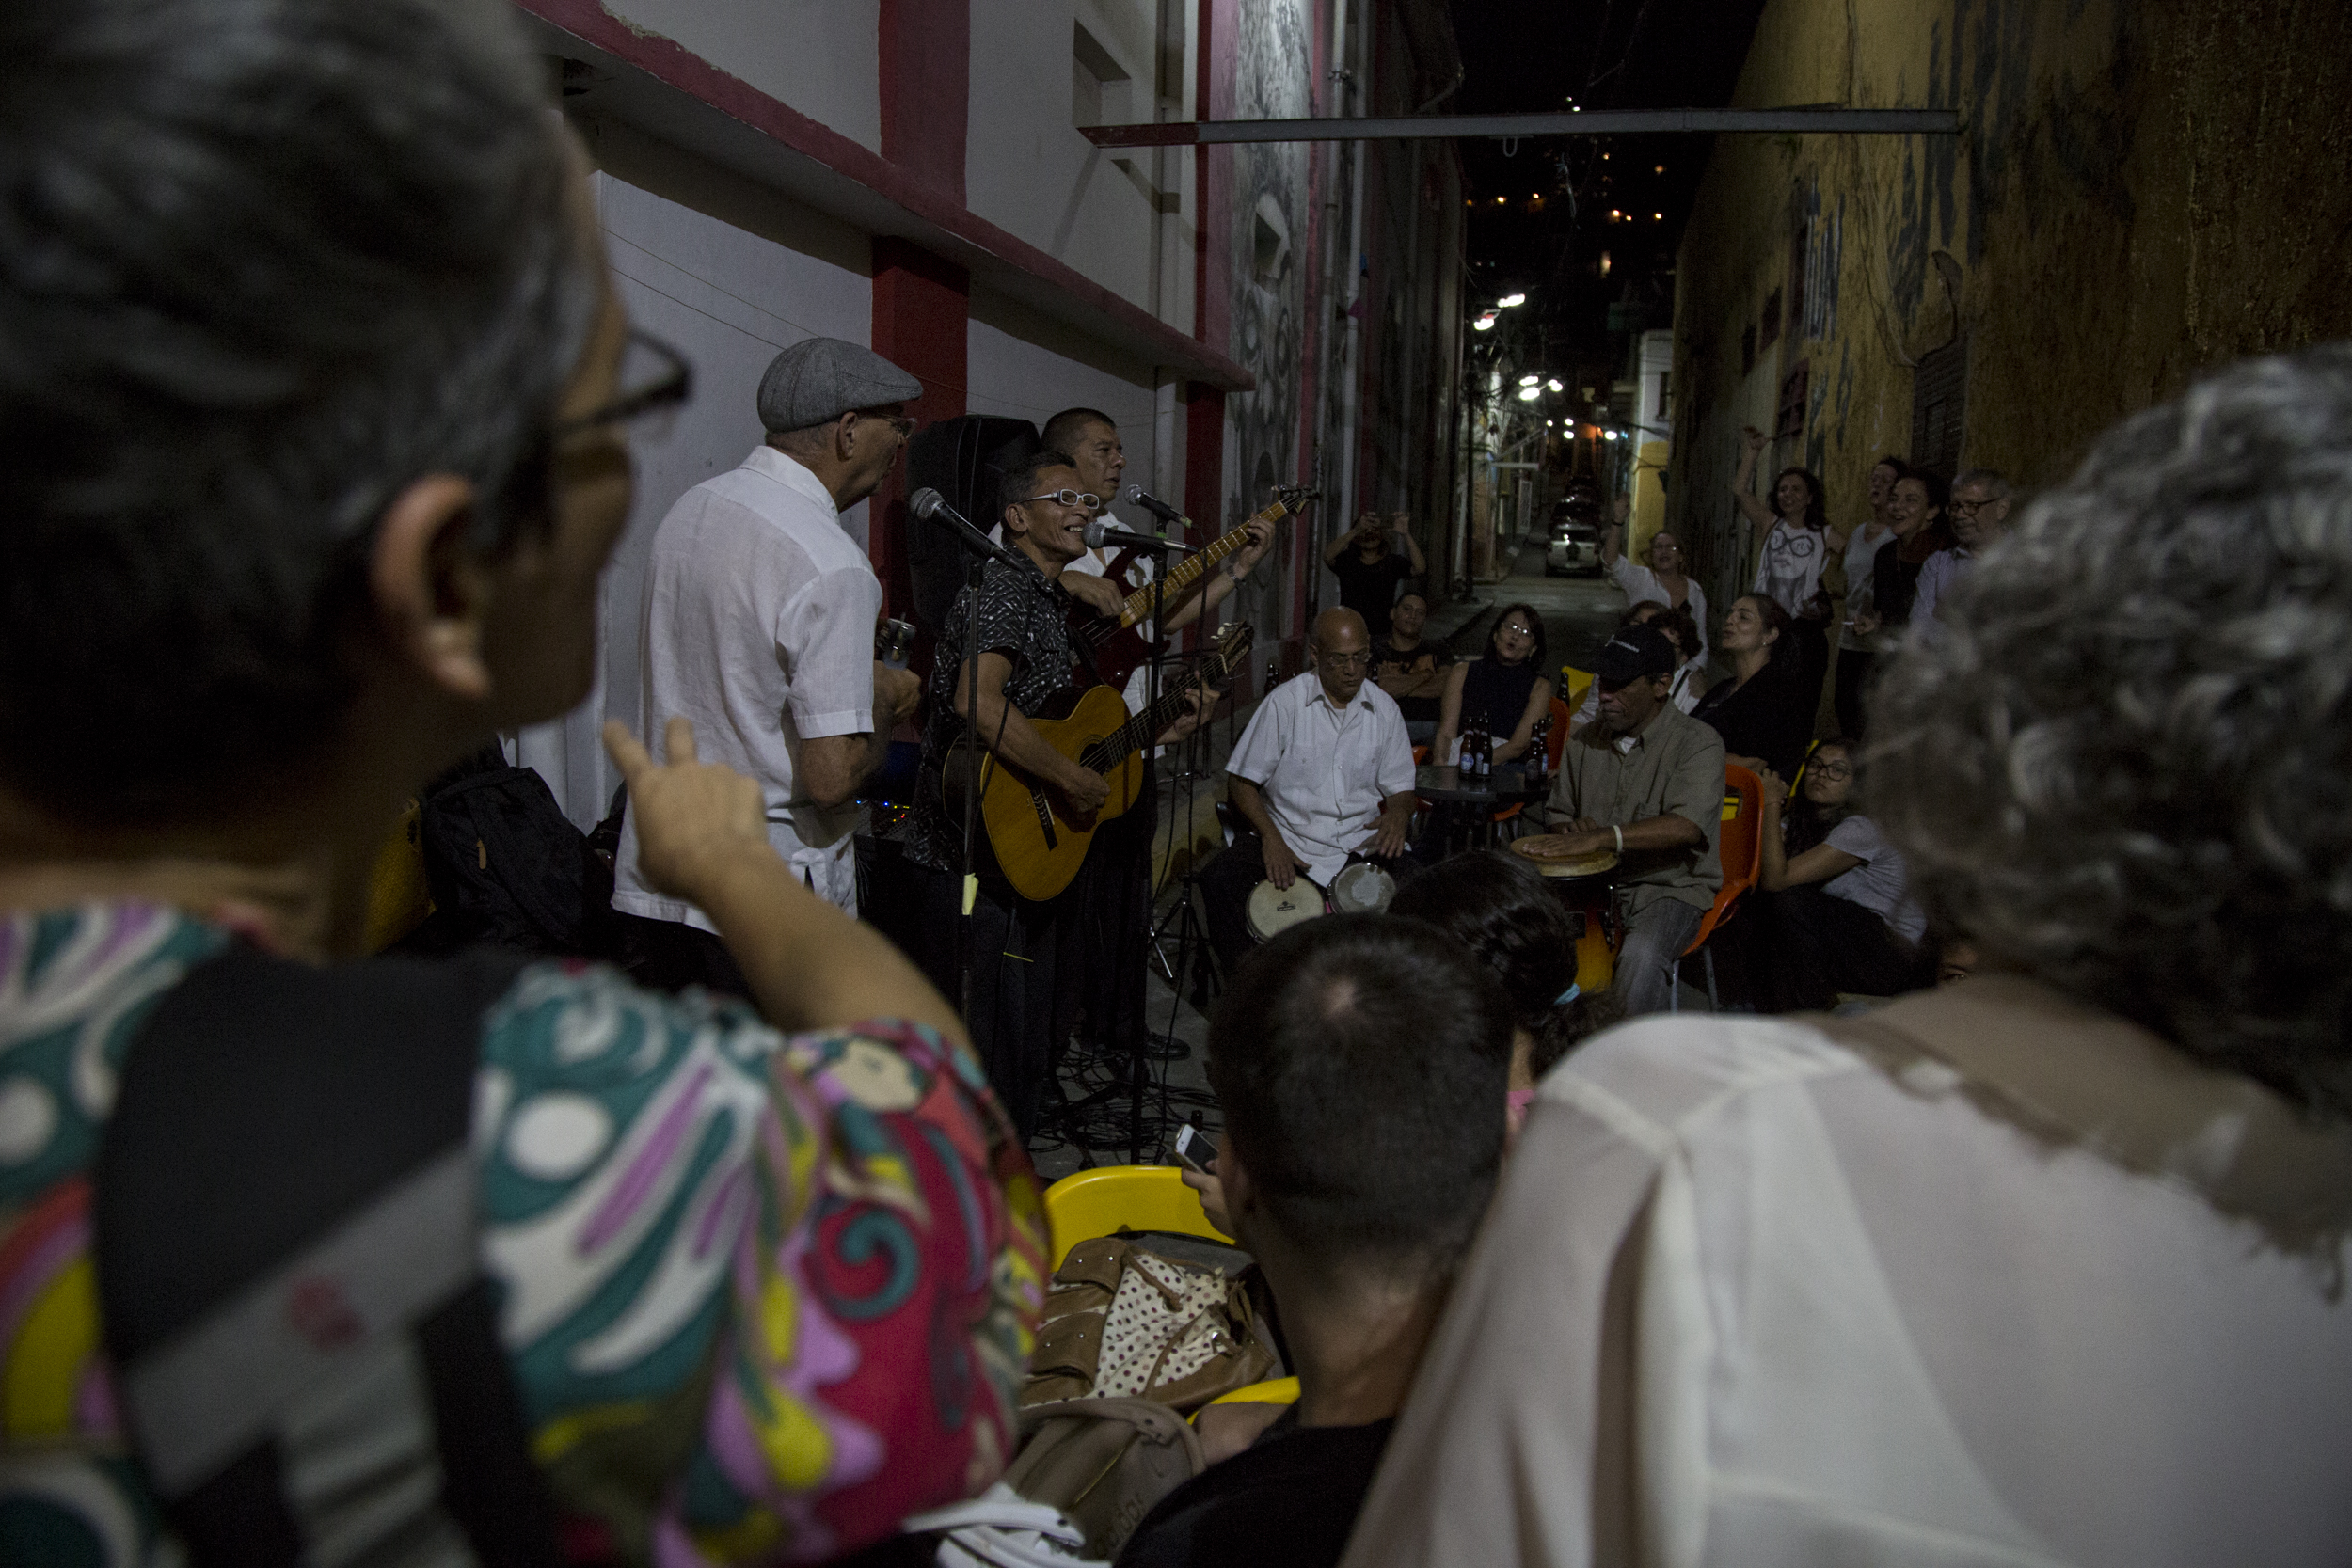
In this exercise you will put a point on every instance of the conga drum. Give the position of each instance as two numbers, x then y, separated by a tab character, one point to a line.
1582	884
1274	910
1362	889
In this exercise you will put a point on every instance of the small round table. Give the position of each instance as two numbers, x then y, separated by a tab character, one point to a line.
1502	788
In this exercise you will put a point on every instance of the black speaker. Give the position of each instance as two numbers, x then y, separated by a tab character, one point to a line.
964	459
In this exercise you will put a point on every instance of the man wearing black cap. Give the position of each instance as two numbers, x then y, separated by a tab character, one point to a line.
1646	781
760	612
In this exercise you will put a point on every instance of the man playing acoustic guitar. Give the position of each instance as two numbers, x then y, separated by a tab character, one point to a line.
1023	660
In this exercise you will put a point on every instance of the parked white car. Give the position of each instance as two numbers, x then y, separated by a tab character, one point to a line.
1575	547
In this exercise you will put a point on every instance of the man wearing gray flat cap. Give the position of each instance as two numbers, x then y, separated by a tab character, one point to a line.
760	612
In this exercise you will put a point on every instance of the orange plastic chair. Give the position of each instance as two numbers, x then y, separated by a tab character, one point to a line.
1741	852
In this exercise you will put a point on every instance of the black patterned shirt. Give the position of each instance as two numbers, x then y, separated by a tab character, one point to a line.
1020	618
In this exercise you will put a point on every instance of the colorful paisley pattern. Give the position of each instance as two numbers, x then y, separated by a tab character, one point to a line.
763	1294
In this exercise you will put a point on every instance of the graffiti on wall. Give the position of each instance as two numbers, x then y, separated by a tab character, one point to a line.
1267	274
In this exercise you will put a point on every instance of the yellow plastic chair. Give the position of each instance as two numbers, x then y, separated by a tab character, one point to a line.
1574	683
1099	1202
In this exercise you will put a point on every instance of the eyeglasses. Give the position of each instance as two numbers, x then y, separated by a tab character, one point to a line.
1344	662
1968	508
655	379
1835	770
1516	627
903	423
1067	498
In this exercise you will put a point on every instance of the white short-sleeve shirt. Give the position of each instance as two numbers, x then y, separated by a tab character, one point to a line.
758	627
1879	884
1324	773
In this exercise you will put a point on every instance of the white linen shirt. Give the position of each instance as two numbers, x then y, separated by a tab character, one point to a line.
1325	774
758	627
1987	1277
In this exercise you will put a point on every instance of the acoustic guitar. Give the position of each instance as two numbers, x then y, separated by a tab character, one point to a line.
1111	645
1038	845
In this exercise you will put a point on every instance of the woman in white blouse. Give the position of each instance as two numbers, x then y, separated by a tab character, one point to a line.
1663	581
2044	1267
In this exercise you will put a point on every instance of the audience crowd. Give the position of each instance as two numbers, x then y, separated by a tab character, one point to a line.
309	1257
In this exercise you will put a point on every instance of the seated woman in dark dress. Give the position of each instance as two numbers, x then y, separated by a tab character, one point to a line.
1764	714
1504	689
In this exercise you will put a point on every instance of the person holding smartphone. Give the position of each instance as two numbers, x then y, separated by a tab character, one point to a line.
1371	561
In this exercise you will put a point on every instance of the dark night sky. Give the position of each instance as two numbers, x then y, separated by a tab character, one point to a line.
1527	58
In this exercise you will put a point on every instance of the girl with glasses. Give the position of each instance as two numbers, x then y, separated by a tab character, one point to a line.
1838	915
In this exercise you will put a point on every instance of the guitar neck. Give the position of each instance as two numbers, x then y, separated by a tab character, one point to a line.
1138	731
1193	568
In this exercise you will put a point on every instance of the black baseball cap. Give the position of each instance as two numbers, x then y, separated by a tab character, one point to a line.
1637	650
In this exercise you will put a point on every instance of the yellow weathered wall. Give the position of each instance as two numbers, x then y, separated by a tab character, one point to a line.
2139	191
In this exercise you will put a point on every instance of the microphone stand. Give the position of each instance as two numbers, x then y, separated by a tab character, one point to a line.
991	553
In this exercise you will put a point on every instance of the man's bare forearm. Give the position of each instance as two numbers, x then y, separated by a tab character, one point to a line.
1249	801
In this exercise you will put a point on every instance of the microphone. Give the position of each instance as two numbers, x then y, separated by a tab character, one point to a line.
1101	531
1137	495
927	506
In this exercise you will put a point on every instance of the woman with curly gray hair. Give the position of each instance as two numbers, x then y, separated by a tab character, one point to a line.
2048	1267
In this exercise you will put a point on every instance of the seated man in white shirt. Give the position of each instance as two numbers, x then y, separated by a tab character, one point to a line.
759	619
1322	776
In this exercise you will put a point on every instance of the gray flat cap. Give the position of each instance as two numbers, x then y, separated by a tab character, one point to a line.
819	379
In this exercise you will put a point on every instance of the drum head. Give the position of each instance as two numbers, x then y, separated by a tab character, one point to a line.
1274	909
1362	889
1538	853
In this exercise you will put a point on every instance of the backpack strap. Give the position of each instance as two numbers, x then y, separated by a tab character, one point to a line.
304	1350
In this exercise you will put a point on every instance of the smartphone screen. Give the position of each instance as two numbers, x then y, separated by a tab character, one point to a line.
1194	1150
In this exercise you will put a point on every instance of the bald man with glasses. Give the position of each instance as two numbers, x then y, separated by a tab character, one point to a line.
1322	776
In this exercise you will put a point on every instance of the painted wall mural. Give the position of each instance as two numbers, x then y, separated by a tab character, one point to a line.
1267	265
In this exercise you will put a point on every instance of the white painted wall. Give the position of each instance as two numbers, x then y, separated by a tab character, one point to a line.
1027	169
822	57
728	299
1013	372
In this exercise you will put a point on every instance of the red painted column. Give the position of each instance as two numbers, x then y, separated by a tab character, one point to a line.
922	302
926	84
922	305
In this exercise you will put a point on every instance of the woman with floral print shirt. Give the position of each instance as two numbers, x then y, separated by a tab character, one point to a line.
304	506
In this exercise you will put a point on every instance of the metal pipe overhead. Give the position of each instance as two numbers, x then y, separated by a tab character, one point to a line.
1596	122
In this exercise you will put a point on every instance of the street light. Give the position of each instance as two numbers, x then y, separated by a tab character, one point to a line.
1553	384
1509	300
1484	323
1529	394
1529	380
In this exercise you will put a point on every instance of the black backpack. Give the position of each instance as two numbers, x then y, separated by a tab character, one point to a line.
505	866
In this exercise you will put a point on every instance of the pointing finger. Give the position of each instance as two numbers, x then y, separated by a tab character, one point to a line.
678	741
626	754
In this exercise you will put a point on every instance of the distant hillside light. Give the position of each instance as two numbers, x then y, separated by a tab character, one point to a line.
1658	217
1615	215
